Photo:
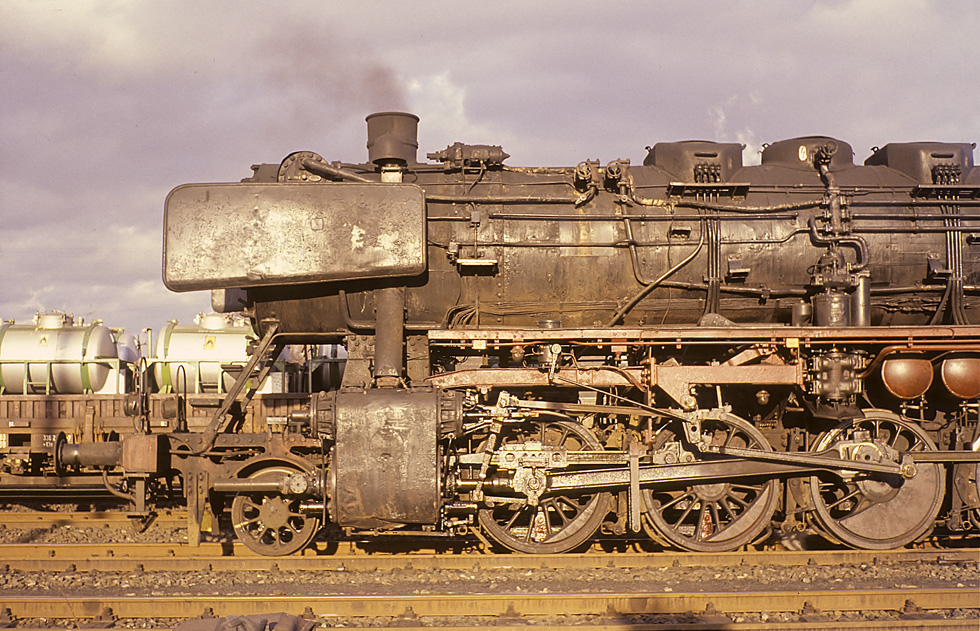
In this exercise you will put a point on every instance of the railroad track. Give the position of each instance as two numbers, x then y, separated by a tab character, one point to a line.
701	610
649	606
112	518
121	557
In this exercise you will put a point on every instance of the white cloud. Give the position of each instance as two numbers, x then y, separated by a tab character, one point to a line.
440	103
99	33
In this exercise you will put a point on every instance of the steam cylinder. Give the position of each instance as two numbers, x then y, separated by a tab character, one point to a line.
54	356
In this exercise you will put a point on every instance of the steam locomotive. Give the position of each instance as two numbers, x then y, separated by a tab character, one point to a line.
691	350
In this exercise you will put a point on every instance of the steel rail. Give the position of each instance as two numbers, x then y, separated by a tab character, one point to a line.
229	557
497	605
696	623
49	519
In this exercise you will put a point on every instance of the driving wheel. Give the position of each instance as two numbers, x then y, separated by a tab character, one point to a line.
876	511
717	516
557	523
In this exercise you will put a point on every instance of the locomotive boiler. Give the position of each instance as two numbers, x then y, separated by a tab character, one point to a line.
689	349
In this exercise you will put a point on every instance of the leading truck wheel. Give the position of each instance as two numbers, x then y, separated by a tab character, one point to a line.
271	524
558	523
877	511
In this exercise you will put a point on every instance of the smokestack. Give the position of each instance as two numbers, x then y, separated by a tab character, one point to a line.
393	138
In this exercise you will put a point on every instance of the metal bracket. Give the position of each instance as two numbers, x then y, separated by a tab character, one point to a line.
495	429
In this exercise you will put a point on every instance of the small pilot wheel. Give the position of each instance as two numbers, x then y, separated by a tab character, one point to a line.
878	511
715	516
558	523
270	524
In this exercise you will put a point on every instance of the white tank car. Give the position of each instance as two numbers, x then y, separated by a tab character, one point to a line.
206	355
54	355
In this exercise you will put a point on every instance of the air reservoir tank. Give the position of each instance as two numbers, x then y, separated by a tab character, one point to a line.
208	352
55	356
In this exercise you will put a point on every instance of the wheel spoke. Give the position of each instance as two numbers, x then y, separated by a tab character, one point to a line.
565	522
748	488
547	523
269	524
250	520
885	513
738	501
671	503
687	512
718	516
513	518
536	516
555	504
704	516
714	515
725	502
850	495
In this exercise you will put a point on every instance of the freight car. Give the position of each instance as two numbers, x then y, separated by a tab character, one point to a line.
72	390
689	349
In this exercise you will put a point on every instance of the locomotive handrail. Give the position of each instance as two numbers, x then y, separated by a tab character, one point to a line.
915	230
912	217
490	199
322	167
618	218
915	202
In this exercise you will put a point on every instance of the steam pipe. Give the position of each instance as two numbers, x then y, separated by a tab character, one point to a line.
322	167
389	338
858	243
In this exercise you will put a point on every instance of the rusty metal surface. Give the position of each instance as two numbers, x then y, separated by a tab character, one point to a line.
493	604
385	460
740	333
675	380
576	245
509	377
247	235
224	557
141	453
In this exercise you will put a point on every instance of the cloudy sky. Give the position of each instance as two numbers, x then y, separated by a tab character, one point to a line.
107	105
